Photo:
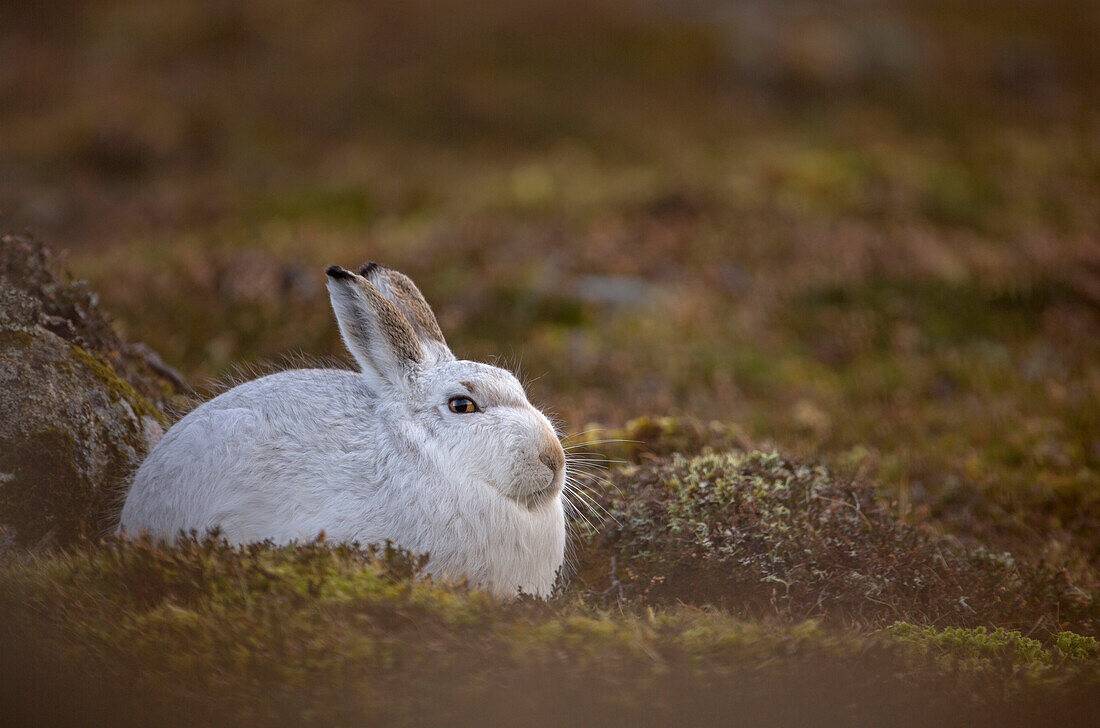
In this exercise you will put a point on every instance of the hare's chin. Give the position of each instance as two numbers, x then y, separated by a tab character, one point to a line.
535	500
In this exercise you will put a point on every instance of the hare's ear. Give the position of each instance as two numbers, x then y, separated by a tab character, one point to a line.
404	294
376	333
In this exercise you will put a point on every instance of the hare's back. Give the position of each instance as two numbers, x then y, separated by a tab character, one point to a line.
301	407
297	395
258	461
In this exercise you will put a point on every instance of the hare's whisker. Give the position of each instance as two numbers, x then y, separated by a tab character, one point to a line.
578	511
583	443
591	502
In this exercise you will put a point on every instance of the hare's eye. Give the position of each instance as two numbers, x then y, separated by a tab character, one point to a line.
462	405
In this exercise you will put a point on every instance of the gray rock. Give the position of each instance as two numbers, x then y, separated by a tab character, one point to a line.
78	410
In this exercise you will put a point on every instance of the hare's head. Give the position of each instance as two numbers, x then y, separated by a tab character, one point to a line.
472	417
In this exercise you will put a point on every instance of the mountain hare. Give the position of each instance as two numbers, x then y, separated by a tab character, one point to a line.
438	456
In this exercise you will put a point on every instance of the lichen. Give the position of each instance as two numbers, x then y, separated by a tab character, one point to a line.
759	534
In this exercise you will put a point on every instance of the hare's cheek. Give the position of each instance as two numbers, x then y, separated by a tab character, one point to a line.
489	451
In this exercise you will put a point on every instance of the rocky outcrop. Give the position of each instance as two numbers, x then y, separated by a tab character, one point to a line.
78	406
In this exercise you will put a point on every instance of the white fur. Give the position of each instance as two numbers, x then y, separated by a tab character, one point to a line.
369	457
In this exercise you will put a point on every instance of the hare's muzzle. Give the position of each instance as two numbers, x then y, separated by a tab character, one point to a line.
551	453
555	460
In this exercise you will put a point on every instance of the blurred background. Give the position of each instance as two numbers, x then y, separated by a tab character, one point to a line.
865	232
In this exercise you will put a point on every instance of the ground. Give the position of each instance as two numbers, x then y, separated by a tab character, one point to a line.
860	235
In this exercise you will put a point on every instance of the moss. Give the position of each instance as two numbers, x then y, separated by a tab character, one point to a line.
1076	647
15	339
760	534
351	207
72	429
643	438
943	313
342	634
739	163
954	198
976	648
39	296
119	388
505	314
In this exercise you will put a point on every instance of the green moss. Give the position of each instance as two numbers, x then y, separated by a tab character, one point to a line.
68	441
976	648
758	534
1076	647
15	339
958	197
943	313
645	437
352	207
118	388
857	259
510	312
339	633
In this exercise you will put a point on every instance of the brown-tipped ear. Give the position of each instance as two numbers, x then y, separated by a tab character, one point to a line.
375	331
399	288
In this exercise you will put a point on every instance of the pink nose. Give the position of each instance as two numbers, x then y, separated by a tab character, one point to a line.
553	460
551	454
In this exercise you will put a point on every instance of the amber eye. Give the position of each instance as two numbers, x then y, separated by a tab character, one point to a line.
462	405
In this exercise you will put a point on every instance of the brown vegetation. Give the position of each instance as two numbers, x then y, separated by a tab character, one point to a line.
858	234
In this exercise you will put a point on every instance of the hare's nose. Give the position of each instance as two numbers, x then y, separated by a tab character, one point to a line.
550	451
554	459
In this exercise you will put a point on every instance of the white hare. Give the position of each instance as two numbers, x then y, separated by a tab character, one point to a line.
438	456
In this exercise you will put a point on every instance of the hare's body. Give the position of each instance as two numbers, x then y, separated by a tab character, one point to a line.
370	459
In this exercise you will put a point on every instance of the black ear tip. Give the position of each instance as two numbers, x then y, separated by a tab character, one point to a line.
335	271
368	268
